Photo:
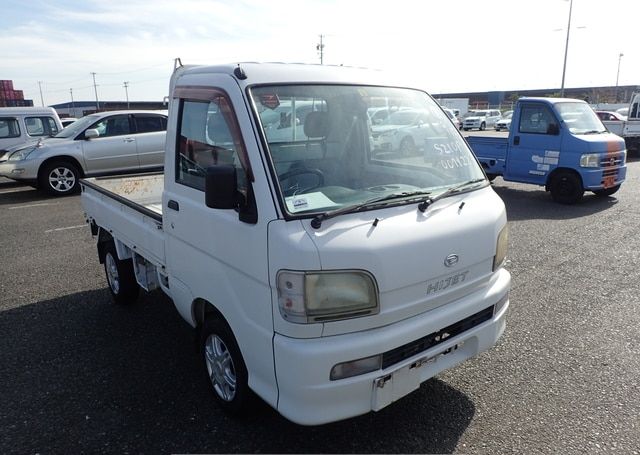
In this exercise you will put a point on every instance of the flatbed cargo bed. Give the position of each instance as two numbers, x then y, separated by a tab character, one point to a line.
130	209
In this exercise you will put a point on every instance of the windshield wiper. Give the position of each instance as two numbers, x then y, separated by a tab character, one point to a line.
316	222
454	189
594	132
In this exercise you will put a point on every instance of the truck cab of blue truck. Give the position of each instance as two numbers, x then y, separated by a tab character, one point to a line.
557	143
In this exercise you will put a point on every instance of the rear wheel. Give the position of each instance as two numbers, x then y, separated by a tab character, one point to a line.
607	191
120	276
566	188
483	126
59	178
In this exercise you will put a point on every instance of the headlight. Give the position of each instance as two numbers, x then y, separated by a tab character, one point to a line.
590	160
306	297
501	248
21	154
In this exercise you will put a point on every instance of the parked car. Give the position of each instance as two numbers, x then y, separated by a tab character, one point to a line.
505	122
454	119
481	119
613	121
20	125
98	144
402	132
611	116
67	121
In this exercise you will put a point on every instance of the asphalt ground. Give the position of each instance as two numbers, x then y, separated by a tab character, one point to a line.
81	375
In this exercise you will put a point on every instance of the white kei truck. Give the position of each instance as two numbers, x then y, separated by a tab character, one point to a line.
324	275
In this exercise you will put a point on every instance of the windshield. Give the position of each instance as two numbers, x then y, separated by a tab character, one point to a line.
77	127
580	118
331	155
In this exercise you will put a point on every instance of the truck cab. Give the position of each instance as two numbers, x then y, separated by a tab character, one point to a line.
557	143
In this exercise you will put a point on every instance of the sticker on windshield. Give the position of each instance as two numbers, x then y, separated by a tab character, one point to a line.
309	201
449	155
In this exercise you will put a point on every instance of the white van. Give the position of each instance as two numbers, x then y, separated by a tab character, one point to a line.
24	124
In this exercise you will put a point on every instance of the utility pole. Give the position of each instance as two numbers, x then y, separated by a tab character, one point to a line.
566	48
320	49
126	91
41	98
73	106
618	75
95	89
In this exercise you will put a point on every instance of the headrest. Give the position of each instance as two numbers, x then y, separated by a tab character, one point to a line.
316	124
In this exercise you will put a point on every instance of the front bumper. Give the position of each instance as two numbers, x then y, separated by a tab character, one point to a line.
602	178
307	396
20	170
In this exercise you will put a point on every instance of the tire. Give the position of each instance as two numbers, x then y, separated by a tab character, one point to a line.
59	178
120	277
606	192
492	177
483	126
407	147
466	129
224	367
566	188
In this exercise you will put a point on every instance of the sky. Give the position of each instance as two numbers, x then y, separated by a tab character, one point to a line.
445	46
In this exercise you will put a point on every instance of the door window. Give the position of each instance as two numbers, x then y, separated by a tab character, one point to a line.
41	126
536	119
208	136
116	125
150	123
9	128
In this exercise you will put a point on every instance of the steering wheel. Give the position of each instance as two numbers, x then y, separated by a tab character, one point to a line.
295	188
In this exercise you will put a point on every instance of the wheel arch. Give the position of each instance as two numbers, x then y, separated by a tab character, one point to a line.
560	170
61	158
202	309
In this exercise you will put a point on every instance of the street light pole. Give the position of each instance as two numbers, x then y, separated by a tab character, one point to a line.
618	75
126	91
95	89
566	49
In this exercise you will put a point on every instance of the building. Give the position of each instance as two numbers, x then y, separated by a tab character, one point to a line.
506	99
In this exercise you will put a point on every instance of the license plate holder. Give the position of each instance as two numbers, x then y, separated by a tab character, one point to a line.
609	181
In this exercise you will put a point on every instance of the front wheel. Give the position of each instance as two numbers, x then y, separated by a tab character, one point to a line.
59	178
407	147
225	367
607	191
566	188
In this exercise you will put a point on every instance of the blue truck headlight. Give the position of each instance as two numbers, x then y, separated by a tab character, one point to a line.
307	297
590	160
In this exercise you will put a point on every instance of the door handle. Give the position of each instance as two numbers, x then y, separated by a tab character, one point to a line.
173	205
129	139
516	140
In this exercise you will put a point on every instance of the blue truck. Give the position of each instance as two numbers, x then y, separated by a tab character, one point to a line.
557	143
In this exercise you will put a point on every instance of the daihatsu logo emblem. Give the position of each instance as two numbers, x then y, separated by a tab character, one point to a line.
451	260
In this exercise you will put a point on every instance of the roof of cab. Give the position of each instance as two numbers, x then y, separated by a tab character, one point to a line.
253	73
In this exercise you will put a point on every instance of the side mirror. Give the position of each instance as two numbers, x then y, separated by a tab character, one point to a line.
220	187
91	134
553	129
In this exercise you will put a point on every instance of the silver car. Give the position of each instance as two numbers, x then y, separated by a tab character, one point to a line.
98	144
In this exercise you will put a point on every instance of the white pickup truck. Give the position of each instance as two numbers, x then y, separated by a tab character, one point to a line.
631	127
327	276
